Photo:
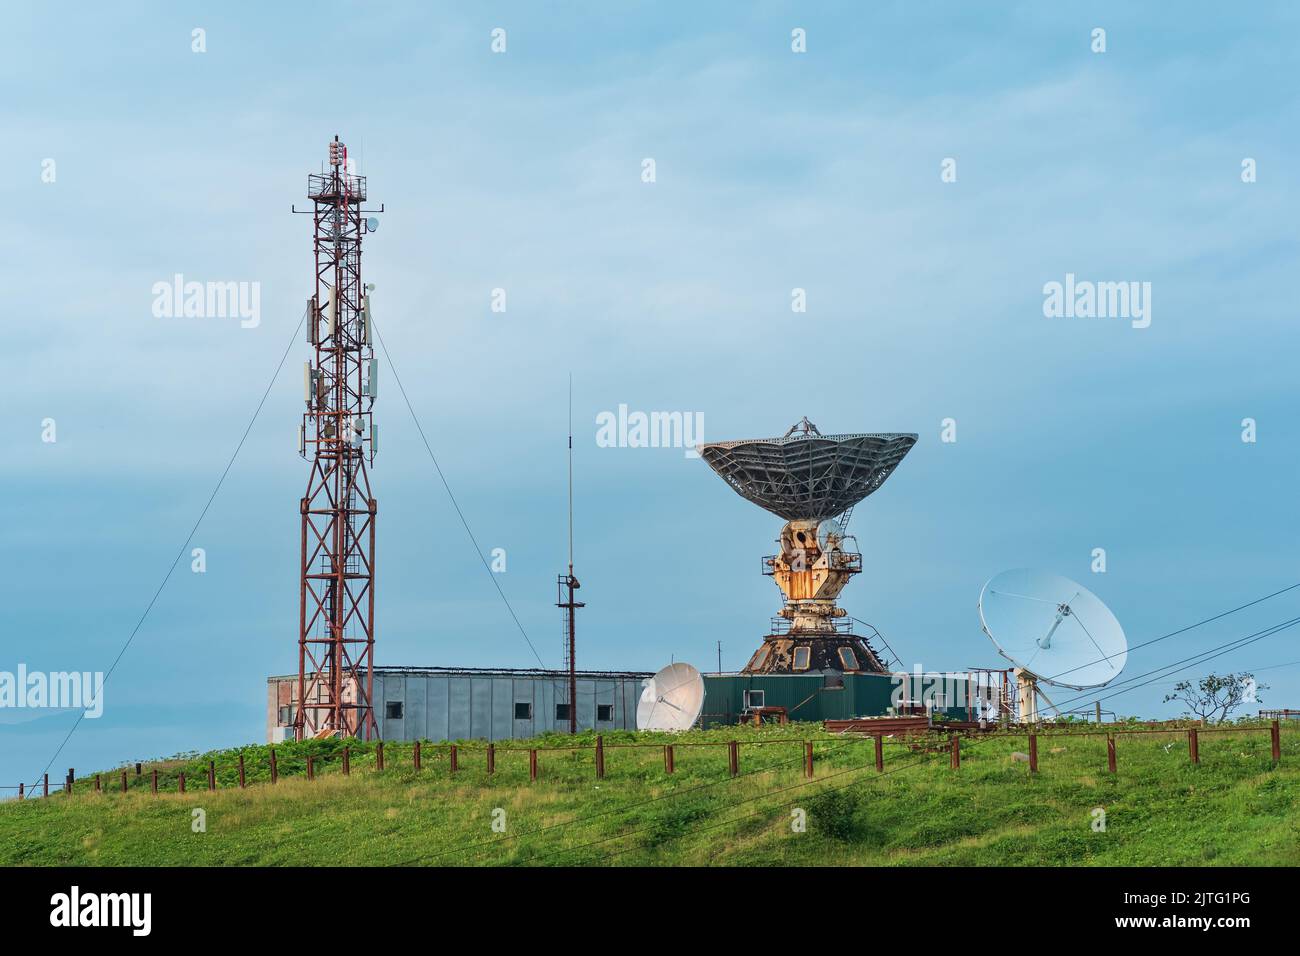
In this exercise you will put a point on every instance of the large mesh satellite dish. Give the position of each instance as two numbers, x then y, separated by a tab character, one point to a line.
671	700
1054	630
808	475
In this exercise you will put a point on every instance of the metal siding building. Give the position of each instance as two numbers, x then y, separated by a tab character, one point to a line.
448	703
807	697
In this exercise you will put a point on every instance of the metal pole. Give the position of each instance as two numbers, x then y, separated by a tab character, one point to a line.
491	759
807	759
416	753
45	784
733	757
1099	713
1193	749
668	758
1110	752
880	752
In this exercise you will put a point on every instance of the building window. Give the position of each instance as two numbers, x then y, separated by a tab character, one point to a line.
523	710
761	657
285	717
561	711
393	710
755	698
802	655
604	712
848	659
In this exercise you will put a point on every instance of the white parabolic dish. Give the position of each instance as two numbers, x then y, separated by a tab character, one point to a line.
1056	629
671	700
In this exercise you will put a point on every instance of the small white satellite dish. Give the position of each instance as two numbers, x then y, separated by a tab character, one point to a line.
372	224
830	534
1054	631
671	700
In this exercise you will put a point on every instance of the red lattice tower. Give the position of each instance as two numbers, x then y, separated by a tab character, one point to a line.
336	636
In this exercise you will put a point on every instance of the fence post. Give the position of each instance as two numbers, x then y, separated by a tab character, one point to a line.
668	758
1033	753
416	755
180	782
1110	752
154	782
807	759
124	780
733	757
880	752
45	785
139	769
1276	733
454	758
21	792
600	757
347	761
492	759
311	767
212	775
67	784
532	765
275	771
1193	748
97	783
379	755
954	743
241	770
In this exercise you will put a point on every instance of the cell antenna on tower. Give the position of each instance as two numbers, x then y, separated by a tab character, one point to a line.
336	634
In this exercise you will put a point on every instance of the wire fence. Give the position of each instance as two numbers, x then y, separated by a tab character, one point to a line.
259	766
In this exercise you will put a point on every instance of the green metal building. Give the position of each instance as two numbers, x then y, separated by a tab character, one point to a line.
805	697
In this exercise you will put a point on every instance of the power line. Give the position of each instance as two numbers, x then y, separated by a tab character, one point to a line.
1199	658
1181	630
188	538
460	514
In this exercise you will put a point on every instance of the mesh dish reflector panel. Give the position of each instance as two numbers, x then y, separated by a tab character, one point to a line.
808	476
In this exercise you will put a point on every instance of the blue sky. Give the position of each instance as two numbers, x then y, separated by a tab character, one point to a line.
522	171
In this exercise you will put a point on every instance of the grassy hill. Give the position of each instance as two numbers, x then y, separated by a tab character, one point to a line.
1235	807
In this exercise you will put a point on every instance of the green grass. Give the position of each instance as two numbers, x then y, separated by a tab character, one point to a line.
1236	807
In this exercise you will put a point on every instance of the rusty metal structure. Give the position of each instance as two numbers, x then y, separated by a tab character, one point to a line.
336	635
813	481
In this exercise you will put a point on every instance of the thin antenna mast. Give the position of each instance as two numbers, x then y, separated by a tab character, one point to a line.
567	585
